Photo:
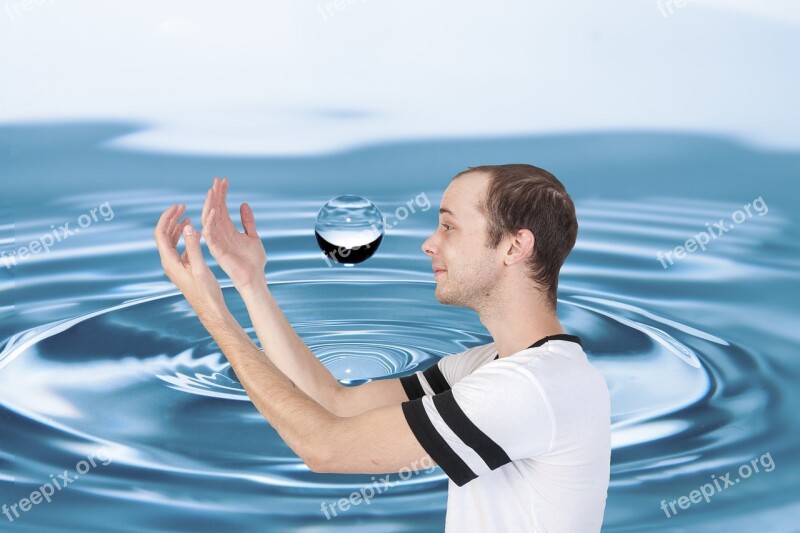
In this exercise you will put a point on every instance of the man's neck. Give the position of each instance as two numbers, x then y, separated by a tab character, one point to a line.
515	326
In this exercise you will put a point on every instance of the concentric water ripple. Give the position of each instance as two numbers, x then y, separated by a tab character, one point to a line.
700	360
147	397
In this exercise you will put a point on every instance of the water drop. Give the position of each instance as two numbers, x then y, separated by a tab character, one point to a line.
349	229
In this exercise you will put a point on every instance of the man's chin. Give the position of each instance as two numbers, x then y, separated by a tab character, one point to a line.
440	295
443	297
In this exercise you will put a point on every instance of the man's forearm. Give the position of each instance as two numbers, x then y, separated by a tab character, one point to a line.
299	420
286	349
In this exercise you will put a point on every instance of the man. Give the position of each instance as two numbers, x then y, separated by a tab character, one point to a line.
521	426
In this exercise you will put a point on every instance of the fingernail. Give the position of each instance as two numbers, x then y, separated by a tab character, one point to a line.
188	230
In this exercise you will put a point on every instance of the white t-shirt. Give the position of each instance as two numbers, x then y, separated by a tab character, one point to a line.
524	439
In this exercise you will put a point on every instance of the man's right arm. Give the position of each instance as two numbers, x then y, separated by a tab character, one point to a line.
242	256
284	347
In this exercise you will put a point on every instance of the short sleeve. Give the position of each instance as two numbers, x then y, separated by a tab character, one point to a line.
496	415
430	381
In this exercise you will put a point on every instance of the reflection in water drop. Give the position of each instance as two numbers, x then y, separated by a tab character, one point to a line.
349	229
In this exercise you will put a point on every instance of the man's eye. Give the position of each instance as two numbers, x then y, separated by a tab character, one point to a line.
446	227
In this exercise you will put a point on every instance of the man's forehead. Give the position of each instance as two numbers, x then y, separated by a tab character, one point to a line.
463	199
463	212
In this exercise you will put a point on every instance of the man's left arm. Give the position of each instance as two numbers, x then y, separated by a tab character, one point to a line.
377	441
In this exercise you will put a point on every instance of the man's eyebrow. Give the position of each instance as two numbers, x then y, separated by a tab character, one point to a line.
445	210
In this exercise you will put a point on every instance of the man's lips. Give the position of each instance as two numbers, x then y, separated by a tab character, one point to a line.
438	271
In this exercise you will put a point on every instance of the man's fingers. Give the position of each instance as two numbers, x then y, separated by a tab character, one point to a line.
173	228
172	223
164	218
248	220
173	219
222	198
166	248
209	230
215	197
177	230
207	205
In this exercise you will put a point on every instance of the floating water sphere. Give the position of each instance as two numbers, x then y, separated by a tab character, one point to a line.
349	229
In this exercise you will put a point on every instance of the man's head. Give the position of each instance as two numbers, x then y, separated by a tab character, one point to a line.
504	224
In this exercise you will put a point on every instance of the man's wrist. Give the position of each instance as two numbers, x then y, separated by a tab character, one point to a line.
258	285
212	311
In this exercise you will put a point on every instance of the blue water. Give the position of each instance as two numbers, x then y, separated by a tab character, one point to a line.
98	350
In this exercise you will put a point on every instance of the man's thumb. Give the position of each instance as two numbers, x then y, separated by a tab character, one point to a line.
192	241
248	220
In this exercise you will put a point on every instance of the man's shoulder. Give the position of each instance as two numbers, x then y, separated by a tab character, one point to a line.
567	377
457	365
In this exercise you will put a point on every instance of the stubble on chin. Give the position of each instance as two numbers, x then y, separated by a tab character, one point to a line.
449	298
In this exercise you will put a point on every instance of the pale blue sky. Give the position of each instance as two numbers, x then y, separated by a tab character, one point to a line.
300	77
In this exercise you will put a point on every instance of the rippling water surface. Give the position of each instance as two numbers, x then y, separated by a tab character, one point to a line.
98	350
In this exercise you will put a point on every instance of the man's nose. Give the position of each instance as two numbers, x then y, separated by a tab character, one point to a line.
427	246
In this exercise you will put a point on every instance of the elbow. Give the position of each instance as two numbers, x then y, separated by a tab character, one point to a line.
316	466
320	452
319	461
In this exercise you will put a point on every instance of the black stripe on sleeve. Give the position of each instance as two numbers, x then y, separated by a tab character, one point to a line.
491	452
436	379
412	386
433	443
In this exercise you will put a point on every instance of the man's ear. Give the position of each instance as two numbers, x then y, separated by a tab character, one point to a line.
520	246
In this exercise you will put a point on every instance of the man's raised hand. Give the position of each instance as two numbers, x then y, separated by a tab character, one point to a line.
240	254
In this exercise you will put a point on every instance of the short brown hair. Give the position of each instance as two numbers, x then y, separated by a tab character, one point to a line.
521	196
